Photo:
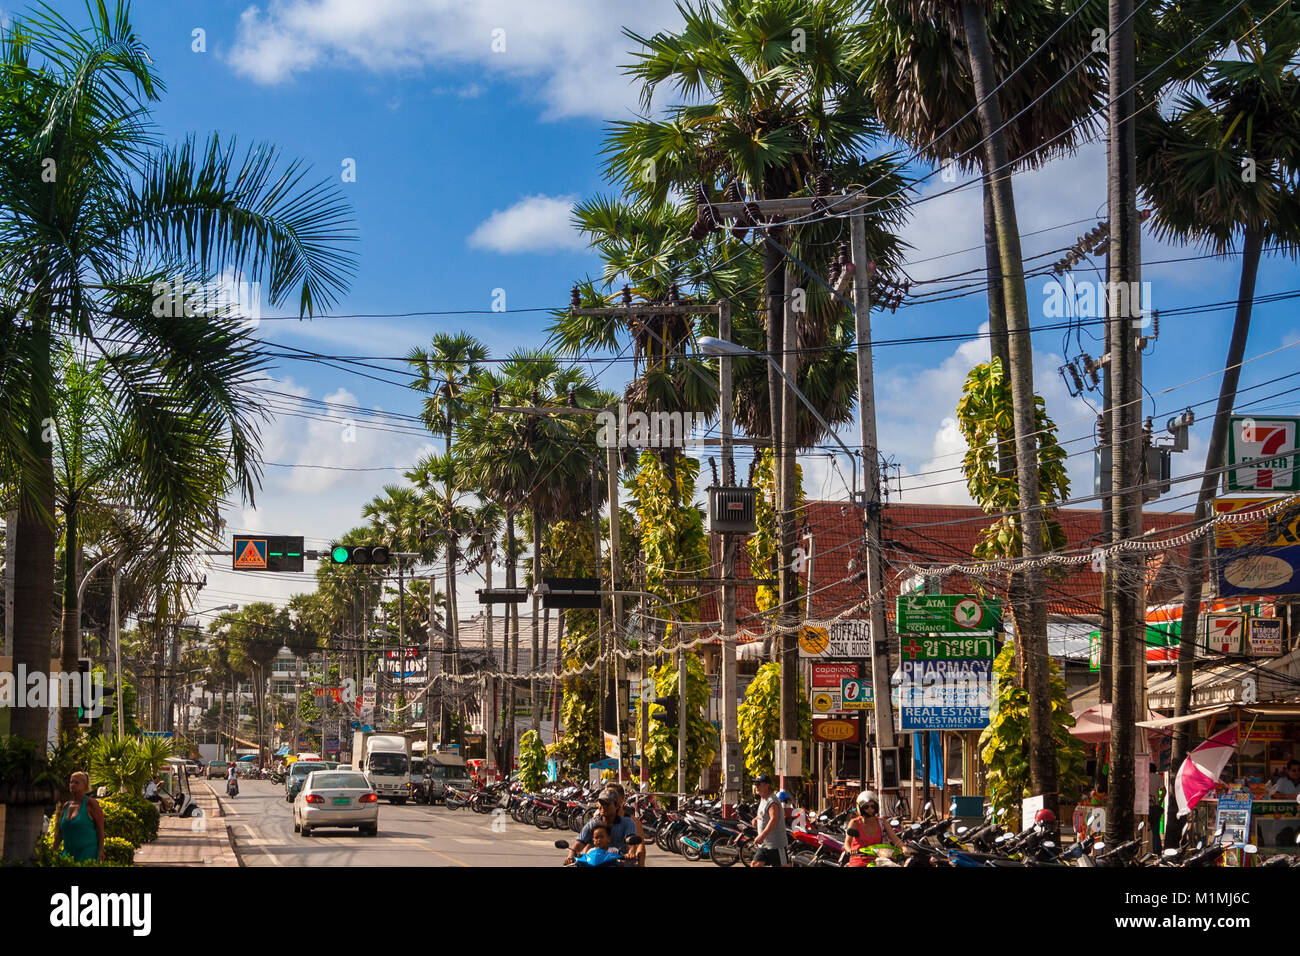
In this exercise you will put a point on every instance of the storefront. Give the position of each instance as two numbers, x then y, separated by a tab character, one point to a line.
1252	810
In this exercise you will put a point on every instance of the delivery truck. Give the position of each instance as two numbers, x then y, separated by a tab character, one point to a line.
385	759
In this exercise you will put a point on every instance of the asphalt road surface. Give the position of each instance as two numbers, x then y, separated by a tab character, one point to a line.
261	824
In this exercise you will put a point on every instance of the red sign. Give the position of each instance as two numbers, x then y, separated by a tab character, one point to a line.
830	675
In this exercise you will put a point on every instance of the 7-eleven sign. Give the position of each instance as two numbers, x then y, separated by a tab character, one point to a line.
1223	633
1262	453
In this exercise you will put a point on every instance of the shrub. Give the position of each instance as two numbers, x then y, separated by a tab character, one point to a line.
118	852
144	809
121	821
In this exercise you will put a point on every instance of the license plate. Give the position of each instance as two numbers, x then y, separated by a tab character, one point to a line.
342	801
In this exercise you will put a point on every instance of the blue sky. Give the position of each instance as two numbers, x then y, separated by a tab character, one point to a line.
466	160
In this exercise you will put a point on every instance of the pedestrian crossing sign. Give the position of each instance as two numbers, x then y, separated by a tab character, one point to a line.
250	554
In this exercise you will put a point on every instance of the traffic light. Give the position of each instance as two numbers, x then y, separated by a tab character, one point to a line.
359	554
669	715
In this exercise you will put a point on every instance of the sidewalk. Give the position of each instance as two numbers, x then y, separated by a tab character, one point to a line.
196	841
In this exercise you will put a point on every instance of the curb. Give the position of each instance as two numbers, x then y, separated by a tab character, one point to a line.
230	837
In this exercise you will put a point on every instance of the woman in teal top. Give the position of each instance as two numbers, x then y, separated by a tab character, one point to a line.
81	823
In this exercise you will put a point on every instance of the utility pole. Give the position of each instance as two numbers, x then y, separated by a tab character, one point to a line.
880	674
615	561
731	752
786	504
1123	312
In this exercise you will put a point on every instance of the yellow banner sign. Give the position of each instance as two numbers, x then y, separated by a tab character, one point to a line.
1277	531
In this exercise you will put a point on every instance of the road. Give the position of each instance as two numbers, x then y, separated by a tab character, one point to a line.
261	823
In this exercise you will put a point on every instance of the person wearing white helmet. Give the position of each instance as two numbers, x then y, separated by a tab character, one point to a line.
866	828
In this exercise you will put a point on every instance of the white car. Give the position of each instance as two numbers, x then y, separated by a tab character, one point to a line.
336	798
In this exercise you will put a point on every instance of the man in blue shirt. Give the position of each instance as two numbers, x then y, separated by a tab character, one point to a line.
620	827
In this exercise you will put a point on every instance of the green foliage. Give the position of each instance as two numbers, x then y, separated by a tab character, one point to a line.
701	738
987	422
118	852
581	743
1005	742
759	717
764	545
673	541
532	761
126	764
145	810
120	821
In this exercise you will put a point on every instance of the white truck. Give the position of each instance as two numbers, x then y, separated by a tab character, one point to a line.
385	759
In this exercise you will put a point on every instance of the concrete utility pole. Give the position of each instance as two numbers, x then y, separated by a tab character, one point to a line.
731	752
787	498
880	673
1123	312
615	565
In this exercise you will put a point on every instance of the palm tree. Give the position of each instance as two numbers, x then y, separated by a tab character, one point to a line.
926	100
771	109
254	635
539	463
94	210
445	372
1193	165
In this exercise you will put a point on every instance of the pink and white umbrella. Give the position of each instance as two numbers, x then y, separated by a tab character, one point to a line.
1199	773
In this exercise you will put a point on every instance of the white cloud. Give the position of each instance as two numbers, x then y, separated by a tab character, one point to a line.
534	224
568	51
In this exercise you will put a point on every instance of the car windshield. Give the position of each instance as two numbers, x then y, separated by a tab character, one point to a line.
339	781
417	767
446	773
301	769
388	763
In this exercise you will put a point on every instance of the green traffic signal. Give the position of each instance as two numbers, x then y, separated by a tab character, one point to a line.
340	554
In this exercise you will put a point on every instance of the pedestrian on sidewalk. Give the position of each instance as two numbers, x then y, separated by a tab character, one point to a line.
771	840
80	827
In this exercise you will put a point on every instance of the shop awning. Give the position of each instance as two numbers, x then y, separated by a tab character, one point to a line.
1162	723
1092	724
753	651
283	751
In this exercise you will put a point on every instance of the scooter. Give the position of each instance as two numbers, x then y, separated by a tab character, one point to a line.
232	787
632	840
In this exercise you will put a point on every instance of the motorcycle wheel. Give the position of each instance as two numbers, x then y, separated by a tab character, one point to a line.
747	852
661	840
692	853
725	854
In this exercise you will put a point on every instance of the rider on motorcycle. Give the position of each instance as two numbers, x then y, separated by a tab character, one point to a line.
619	824
601	853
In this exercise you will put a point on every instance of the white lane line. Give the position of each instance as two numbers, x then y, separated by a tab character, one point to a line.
260	844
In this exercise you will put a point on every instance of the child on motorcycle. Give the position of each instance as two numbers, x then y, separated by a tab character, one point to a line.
600	853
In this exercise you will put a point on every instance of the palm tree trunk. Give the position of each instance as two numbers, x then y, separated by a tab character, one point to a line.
534	700
71	621
489	686
1042	752
34	577
774	289
508	720
1252	248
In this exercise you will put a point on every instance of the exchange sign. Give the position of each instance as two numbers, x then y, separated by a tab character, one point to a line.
954	614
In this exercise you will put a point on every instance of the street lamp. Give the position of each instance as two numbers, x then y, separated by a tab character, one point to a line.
710	345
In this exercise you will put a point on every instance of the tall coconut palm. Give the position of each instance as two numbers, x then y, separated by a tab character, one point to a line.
1221	170
931	63
538	463
770	109
445	372
93	209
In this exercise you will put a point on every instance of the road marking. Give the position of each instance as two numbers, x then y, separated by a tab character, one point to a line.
259	843
449	859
